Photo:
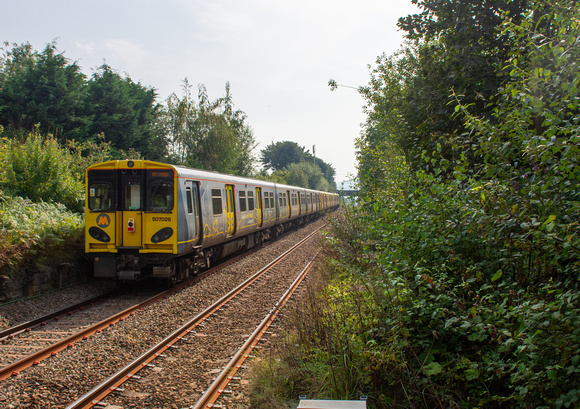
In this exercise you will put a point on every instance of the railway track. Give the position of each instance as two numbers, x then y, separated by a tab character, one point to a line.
213	393
194	328
70	374
28	343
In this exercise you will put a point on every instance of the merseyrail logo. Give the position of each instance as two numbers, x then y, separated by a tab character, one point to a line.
103	220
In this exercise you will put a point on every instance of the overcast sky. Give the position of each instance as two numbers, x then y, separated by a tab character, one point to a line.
277	55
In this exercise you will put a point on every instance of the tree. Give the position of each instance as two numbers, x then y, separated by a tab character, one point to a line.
124	112
459	50
296	175
328	172
279	155
208	134
46	89
293	163
315	178
389	117
42	88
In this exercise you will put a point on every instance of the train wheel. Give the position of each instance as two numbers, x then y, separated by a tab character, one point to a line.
175	273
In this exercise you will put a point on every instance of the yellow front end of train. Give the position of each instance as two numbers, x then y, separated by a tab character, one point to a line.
131	216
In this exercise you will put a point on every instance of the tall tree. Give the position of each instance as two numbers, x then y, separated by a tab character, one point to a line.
124	112
293	163
327	171
460	50
279	155
208	134
42	88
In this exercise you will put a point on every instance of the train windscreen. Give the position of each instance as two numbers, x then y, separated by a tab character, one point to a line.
101	190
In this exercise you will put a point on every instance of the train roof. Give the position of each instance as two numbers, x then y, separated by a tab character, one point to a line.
183	171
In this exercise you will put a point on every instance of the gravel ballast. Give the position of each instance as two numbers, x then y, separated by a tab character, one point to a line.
180	378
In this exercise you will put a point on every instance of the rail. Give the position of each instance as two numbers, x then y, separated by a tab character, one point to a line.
218	386
17	367
94	396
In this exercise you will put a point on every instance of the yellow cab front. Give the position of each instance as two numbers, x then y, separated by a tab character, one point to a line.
131	216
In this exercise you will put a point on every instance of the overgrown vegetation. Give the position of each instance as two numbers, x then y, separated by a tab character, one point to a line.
41	200
37	237
208	135
457	278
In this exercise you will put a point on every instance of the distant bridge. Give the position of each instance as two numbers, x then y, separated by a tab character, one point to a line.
347	192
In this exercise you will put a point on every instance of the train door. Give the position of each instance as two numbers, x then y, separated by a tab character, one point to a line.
289	199
259	206
132	207
230	211
279	202
193	214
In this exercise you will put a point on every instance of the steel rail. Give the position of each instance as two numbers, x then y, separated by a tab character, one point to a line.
219	384
29	325
15	368
94	396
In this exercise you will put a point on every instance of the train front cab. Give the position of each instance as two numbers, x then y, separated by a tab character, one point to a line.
130	214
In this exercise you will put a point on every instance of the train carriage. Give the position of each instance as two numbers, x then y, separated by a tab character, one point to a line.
150	218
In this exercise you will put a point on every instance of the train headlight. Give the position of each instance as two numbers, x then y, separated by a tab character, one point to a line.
99	234
162	235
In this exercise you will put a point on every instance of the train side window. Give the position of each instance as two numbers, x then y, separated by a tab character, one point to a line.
161	196
101	196
250	200
189	198
216	200
272	203
242	199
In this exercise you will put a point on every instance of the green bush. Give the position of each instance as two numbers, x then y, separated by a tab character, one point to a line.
460	281
40	169
37	236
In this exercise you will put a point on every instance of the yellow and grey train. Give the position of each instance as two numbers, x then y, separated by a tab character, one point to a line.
149	218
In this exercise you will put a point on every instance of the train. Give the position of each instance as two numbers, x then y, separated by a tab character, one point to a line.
151	219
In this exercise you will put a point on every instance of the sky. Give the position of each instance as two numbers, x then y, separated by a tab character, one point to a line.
278	56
